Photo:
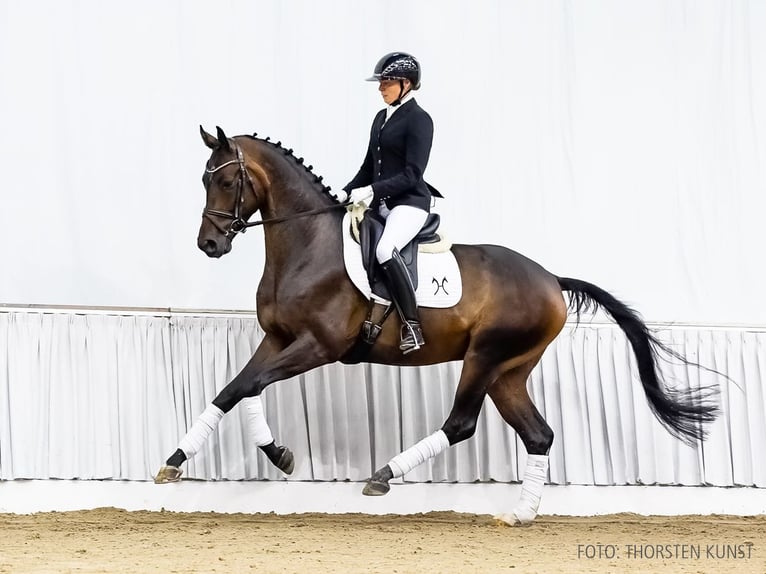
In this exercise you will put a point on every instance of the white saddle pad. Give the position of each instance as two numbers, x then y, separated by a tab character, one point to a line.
439	283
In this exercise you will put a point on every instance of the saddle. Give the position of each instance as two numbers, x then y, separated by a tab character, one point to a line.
371	229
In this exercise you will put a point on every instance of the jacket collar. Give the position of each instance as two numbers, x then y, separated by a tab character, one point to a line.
401	111
391	108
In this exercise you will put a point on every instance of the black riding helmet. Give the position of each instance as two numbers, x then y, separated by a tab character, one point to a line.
397	66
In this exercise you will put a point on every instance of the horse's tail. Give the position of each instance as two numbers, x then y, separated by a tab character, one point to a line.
683	412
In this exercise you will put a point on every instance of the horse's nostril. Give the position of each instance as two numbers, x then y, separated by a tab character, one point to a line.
209	246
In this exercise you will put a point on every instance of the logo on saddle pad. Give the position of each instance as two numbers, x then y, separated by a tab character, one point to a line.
439	285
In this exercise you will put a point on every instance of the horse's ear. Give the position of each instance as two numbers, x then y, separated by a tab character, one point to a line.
223	141
209	140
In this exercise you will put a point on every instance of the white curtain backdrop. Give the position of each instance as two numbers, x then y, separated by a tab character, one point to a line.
616	141
109	397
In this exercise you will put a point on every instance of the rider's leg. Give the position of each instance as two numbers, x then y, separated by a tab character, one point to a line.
402	224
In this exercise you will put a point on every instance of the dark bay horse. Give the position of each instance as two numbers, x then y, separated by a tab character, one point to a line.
312	314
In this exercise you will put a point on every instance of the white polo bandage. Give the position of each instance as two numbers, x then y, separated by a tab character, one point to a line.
259	428
206	424
531	489
427	448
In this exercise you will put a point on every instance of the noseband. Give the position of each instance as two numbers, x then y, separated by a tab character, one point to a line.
238	223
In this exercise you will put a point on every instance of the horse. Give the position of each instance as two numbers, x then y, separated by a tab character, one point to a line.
511	309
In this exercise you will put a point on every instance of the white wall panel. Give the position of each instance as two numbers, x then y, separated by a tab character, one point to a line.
615	141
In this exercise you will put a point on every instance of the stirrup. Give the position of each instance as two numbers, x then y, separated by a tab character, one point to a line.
411	337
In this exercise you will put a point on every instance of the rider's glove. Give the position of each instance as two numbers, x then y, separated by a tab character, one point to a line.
340	195
362	195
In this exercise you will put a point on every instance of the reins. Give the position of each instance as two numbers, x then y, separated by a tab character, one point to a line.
296	215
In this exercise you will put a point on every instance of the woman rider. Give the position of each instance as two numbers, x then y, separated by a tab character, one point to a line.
390	180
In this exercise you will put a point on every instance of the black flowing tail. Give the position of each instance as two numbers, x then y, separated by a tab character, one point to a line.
683	412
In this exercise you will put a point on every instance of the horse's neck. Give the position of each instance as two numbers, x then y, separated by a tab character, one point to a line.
303	244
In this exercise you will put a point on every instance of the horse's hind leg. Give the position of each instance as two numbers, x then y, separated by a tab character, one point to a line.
509	393
459	426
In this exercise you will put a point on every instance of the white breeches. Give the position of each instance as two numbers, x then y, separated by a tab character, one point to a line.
403	222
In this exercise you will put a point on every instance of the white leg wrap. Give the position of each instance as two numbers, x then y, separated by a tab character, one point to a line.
531	490
259	428
206	424
427	448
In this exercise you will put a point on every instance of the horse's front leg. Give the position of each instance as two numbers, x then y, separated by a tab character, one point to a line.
269	364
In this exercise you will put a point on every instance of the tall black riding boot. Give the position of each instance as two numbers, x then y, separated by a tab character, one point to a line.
403	294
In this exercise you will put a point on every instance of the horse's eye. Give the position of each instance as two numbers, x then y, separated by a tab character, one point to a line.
227	184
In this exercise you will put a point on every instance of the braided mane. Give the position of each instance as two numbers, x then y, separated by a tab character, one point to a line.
326	189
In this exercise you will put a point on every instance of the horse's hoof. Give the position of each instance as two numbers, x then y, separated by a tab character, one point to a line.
376	488
168	474
512	520
286	461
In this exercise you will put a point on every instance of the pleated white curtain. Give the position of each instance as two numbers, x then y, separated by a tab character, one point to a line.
102	396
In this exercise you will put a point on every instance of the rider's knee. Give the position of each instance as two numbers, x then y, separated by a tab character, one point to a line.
384	251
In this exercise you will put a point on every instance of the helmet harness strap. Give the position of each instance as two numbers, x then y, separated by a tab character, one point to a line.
402	93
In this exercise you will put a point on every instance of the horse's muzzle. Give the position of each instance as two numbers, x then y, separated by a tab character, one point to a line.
213	248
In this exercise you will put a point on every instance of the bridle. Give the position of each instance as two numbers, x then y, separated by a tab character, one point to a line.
237	223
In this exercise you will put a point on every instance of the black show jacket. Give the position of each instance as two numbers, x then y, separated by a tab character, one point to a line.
397	157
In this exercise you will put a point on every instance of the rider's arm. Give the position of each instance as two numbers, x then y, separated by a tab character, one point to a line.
364	175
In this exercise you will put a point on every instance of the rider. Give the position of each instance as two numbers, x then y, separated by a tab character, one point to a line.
391	180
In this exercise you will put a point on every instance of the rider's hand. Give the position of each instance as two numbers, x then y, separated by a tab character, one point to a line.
340	195
362	195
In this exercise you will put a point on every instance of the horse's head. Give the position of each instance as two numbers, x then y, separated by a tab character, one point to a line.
233	194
